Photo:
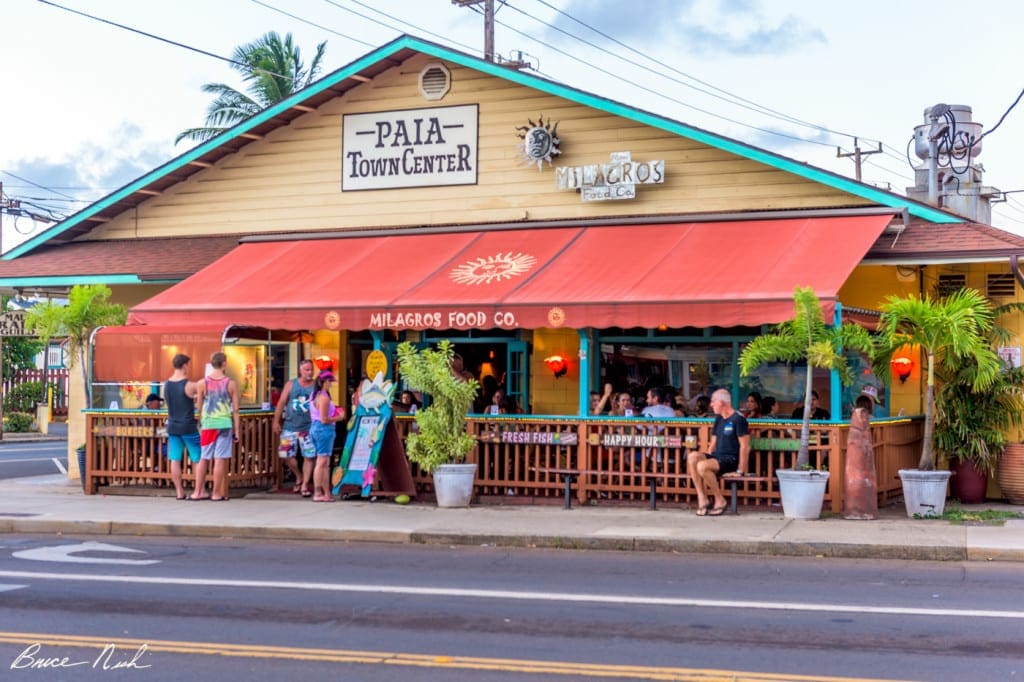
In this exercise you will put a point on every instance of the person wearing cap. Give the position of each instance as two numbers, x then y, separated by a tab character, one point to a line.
154	401
182	433
324	414
868	399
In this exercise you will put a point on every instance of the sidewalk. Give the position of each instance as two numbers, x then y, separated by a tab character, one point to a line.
56	431
54	504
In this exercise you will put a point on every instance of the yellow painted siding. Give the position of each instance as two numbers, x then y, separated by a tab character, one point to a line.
870	285
291	180
551	395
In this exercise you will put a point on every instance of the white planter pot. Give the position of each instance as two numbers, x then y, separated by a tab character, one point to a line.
802	491
924	492
453	484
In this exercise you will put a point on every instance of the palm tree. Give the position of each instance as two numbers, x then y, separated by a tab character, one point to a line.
806	337
955	330
88	307
272	69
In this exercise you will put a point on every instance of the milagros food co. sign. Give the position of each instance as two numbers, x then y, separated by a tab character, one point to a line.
410	148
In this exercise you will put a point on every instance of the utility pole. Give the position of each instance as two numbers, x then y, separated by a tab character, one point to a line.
488	24
857	154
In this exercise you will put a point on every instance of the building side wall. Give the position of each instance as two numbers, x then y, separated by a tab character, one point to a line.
291	180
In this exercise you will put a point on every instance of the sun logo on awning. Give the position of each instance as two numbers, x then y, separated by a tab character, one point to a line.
493	268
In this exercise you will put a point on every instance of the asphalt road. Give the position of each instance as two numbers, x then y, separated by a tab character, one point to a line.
28	458
226	609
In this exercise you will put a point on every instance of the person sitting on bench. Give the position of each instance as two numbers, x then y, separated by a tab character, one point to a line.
729	451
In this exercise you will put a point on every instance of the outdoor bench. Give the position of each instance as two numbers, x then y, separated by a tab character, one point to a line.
569	475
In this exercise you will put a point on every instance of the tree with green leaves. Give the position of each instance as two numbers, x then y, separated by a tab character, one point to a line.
807	338
272	69
952	331
88	307
974	425
440	436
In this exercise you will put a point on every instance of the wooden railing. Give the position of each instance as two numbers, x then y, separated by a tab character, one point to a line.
515	456
128	449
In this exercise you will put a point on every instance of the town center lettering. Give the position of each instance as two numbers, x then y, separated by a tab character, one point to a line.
410	148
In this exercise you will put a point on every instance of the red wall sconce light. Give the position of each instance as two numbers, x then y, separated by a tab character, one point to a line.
557	364
901	365
324	362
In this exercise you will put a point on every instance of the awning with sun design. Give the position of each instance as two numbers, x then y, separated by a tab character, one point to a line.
677	275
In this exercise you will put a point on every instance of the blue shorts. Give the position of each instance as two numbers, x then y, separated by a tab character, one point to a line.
323	438
176	446
216	443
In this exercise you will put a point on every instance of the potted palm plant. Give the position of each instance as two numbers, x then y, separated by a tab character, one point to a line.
806	338
951	332
971	427
440	442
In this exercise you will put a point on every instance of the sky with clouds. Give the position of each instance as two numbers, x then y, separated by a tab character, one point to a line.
90	106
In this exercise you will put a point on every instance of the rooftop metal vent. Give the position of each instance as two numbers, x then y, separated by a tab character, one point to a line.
435	81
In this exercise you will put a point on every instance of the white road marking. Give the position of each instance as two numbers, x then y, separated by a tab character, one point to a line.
8	588
59	465
64	553
521	596
41	458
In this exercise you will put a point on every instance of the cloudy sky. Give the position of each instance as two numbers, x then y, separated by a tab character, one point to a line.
89	106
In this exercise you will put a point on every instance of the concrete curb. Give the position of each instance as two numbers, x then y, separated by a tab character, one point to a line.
609	544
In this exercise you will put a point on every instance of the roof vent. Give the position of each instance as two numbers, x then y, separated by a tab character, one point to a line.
435	81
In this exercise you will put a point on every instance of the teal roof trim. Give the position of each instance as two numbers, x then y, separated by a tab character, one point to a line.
572	94
71	280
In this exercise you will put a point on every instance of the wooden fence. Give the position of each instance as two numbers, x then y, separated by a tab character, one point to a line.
127	449
517	457
55	378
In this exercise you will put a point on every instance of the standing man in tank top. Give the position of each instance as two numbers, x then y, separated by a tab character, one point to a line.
182	433
292	421
217	394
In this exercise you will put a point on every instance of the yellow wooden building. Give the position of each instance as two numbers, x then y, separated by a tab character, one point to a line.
422	193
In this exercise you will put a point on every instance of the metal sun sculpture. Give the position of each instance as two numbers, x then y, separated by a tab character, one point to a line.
492	268
540	142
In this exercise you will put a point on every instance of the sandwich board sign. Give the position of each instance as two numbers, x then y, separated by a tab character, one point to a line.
374	455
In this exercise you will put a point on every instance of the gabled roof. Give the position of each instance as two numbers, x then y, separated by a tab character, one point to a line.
390	55
921	242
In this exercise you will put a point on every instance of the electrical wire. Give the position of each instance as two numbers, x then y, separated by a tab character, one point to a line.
657	92
730	97
37	185
313	24
244	67
419	29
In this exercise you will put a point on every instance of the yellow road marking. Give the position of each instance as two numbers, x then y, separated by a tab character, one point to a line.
413	660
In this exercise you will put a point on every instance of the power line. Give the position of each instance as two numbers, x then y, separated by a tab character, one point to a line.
659	93
37	185
313	24
730	97
241	65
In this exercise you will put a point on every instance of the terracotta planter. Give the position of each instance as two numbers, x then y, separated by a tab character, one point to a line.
968	483
1011	473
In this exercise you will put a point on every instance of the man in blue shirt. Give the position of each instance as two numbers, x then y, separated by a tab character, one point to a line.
728	453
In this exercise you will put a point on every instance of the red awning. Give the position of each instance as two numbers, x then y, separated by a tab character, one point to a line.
678	275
